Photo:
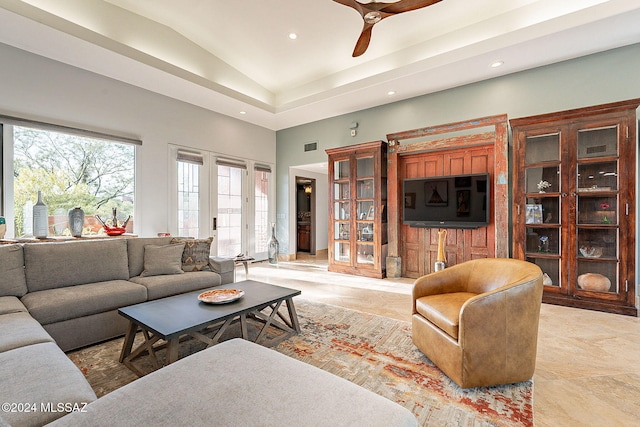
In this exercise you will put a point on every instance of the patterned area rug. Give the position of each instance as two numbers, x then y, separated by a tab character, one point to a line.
372	351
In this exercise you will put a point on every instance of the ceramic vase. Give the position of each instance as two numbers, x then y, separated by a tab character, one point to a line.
76	221
40	218
273	246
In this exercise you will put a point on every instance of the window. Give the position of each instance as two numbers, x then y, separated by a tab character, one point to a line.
70	171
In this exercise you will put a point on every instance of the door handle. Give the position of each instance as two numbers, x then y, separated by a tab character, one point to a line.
215	224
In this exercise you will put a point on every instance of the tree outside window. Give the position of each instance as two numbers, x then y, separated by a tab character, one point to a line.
71	171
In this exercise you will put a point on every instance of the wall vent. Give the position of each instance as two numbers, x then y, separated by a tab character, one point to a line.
311	146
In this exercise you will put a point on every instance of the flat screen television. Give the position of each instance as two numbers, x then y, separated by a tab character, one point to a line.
460	201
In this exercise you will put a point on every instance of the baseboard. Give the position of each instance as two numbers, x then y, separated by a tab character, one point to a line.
322	253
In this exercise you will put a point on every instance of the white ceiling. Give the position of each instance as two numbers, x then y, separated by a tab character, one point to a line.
235	55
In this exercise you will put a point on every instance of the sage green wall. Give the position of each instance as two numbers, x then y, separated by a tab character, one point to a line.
596	79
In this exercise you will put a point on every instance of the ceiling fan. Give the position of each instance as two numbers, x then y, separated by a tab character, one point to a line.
374	12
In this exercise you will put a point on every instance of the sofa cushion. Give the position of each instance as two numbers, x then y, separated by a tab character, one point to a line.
164	286
195	256
40	373
443	310
12	281
55	265
159	260
135	252
56	305
11	305
214	387
19	330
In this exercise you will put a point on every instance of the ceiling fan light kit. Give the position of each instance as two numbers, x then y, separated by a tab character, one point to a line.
374	12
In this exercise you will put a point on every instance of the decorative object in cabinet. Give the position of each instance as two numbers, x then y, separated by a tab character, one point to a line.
574	198
357	209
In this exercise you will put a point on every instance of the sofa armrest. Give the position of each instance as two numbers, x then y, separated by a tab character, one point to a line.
225	267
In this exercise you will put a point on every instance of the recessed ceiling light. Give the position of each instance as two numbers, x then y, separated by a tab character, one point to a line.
243	112
293	36
497	64
391	92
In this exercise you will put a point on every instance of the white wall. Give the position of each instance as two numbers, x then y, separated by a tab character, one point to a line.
37	88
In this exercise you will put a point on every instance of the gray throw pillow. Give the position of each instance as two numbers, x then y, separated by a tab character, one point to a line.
196	253
12	279
166	259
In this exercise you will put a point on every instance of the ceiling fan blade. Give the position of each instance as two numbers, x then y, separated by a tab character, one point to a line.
363	41
407	5
352	4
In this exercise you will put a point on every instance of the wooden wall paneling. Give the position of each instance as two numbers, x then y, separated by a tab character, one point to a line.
461	244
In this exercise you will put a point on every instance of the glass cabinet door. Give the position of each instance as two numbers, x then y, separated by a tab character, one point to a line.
357	230
543	194
575	215
597	220
341	211
365	197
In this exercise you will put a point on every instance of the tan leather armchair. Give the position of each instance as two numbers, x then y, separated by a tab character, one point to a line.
478	320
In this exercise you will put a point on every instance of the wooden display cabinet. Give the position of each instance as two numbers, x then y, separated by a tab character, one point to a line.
574	204
358	209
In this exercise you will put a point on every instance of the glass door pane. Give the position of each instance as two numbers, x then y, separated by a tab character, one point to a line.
342	211
188	199
543	206
262	231
365	209
598	212
230	211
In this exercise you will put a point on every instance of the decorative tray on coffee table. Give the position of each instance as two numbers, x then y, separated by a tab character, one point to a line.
221	296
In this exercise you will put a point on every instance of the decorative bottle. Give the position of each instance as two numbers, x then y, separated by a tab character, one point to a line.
40	218
76	221
441	258
273	246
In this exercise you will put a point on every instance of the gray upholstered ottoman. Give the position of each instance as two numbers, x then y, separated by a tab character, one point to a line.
239	383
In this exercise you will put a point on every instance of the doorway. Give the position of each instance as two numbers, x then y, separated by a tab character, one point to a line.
305	218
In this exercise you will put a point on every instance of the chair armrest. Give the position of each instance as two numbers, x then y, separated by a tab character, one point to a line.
451	279
509	311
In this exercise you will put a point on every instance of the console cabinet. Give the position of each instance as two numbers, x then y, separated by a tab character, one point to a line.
358	209
574	204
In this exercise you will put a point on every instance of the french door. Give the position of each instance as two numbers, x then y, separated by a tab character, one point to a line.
229	207
228	199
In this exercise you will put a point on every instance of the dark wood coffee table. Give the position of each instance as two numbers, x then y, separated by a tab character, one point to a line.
173	317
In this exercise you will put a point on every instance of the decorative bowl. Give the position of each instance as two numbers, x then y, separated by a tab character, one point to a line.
220	296
114	231
591	251
594	282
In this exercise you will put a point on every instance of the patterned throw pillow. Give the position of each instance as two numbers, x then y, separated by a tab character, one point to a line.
195	256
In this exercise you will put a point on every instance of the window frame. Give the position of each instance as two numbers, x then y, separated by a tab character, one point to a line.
7	124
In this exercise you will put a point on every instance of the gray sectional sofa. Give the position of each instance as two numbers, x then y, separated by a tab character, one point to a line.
55	297
61	296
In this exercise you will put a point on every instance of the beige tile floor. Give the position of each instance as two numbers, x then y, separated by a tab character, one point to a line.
588	366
